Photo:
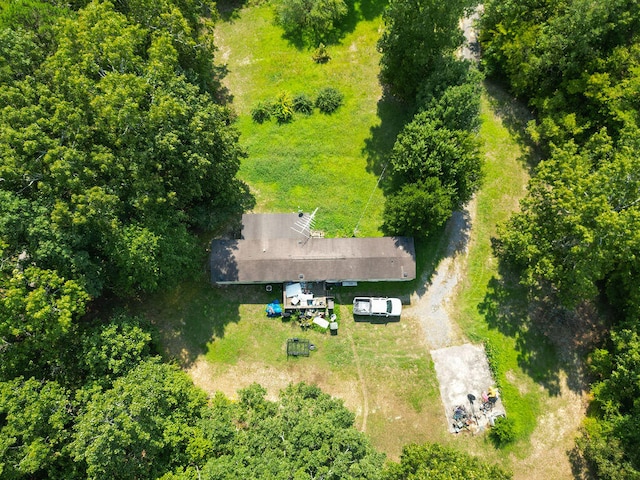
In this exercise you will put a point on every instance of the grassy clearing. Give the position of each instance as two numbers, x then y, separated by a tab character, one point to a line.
491	307
327	161
383	372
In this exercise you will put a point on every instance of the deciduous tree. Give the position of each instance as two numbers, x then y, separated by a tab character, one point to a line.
142	427
417	34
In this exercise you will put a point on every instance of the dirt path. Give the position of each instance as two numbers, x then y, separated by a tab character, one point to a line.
363	386
431	304
554	435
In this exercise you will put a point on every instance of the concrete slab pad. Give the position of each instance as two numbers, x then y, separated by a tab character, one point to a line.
464	370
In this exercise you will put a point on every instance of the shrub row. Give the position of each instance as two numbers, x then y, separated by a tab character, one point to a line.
284	106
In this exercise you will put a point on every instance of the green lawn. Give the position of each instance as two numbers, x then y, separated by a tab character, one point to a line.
330	162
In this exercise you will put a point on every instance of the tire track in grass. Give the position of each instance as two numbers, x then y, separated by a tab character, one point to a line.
363	386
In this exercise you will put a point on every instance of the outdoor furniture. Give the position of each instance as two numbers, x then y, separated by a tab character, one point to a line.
321	322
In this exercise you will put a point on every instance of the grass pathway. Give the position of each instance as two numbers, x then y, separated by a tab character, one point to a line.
363	385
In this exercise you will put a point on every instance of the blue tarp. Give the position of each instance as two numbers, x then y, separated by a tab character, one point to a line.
274	309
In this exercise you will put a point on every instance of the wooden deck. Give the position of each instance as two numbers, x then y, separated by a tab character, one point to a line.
313	296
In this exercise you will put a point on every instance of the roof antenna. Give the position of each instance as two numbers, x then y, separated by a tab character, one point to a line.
305	223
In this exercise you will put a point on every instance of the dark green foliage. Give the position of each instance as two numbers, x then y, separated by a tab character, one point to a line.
426	149
141	428
111	349
578	228
417	34
303	104
503	431
110	155
435	162
35	419
437	462
328	100
578	64
458	107
612	444
310	21
261	112
417	209
306	434
448	71
33	20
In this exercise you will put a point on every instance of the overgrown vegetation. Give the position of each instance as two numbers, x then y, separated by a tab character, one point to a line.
576	62
435	162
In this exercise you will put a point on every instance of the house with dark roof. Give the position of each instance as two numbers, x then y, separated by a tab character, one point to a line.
272	248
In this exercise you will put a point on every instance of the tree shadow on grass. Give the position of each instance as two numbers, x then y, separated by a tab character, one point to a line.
515	116
196	313
506	309
370	9
357	11
549	339
229	10
393	115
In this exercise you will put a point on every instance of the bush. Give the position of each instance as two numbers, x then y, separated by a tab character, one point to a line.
261	112
503	431
329	99
282	108
321	55
303	104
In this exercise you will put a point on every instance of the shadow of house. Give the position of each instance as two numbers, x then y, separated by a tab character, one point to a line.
273	250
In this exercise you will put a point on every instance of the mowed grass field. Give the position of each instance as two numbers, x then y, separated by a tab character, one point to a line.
383	372
330	162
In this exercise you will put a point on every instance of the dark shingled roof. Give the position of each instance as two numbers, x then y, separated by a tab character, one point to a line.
271	251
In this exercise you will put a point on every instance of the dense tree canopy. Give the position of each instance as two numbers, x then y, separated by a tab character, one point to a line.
417	34
142	427
435	162
417	209
116	150
577	62
436	462
113	155
306	434
426	149
580	223
35	418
